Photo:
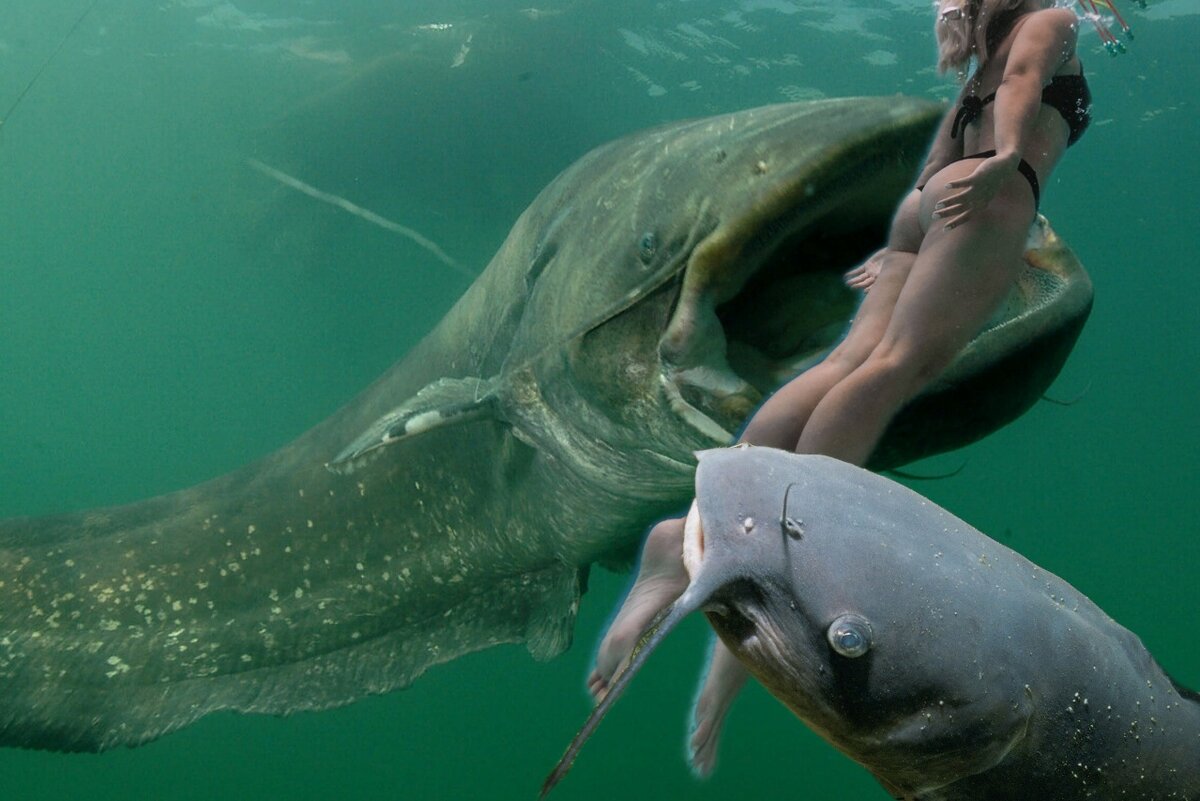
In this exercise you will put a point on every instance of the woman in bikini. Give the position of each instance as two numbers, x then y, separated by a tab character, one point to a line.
953	253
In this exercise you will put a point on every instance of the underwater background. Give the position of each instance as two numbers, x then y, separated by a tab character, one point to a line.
169	311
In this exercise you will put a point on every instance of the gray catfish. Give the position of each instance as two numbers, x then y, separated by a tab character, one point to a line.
638	310
948	665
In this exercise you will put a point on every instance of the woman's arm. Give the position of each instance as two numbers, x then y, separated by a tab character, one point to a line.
1042	45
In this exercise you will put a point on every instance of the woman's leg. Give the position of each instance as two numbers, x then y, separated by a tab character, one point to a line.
957	281
724	679
661	579
777	423
945	295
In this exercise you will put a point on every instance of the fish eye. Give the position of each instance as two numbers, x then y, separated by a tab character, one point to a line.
850	635
647	246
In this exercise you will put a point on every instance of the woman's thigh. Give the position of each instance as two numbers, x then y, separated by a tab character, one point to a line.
779	421
960	276
905	233
875	311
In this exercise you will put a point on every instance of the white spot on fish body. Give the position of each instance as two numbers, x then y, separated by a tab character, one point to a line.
118	667
422	422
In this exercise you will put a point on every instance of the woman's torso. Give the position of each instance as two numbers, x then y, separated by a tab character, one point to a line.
1048	140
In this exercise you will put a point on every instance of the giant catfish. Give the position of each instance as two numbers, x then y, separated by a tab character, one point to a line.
949	666
639	310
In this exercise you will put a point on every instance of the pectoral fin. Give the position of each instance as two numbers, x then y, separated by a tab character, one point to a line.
447	401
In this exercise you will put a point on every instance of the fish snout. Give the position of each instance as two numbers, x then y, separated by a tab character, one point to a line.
694	545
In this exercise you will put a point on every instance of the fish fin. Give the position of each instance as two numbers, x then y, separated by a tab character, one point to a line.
447	401
552	621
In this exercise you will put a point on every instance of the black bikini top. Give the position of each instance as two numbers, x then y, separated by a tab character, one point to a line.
1068	94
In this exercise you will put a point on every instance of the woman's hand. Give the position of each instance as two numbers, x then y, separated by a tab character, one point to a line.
862	276
976	190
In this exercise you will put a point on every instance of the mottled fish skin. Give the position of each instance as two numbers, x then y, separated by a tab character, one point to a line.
969	674
439	512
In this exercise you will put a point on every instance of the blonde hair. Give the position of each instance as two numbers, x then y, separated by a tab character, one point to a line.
972	34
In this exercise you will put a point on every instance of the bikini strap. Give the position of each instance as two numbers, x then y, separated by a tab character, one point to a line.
968	112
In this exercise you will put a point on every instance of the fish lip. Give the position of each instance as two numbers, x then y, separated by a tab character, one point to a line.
695	417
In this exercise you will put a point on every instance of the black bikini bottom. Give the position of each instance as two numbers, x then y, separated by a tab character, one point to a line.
1023	167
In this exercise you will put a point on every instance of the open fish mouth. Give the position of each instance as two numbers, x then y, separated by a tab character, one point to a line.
764	295
764	298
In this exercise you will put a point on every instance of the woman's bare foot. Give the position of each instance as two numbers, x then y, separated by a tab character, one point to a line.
661	579
724	680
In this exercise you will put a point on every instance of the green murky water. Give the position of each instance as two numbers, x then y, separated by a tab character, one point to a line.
167	313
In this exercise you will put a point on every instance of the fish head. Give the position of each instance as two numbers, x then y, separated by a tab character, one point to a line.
678	276
861	606
856	602
695	266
